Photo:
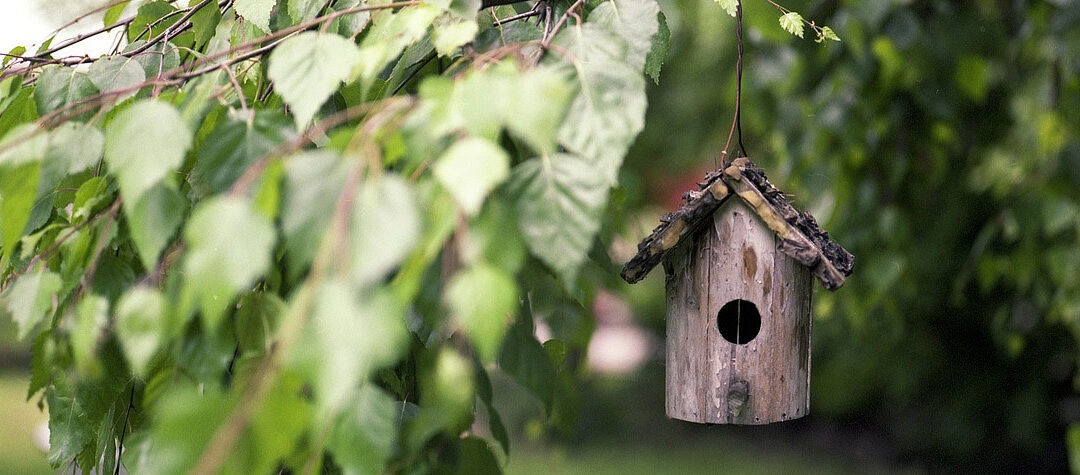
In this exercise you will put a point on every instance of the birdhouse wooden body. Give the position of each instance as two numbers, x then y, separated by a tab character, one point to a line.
739	262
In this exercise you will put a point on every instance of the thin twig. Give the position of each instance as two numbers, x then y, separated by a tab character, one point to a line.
736	122
172	31
548	35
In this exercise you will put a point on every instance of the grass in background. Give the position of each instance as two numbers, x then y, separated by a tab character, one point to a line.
21	418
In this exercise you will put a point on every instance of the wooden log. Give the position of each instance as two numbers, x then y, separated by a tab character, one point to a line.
711	379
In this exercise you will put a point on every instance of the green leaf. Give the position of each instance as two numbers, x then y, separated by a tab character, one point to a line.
390	34
792	22
661	42
143	144
17	109
301	10
635	21
88	198
494	238
20	171
310	191
58	86
826	33
152	19
75	147
470	169
482	299
385	227
255	11
229	246
26	143
114	12
474	455
354	336
257	318
153	221
308	68
204	23
525	360
116	73
140	315
362	438
30	299
451	33
536	105
91	317
232	147
184	423
157	59
729	6
559	200
282	418
609	111
447	390
70	429
484	393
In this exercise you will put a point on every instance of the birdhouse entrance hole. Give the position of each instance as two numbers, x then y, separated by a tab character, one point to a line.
738	321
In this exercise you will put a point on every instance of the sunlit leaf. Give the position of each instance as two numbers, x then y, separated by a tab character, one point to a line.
827	34
729	6
91	317
450	34
114	12
482	299
792	22
17	109
390	34
470	169
354	335
139	317
385	227
143	144
308	68
21	154
30	299
311	189
537	116
229	246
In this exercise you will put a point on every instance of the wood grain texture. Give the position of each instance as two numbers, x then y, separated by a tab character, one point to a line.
709	379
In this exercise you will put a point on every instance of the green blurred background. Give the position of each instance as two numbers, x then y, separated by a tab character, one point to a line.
939	143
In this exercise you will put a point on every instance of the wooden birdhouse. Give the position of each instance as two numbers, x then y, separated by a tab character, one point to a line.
739	260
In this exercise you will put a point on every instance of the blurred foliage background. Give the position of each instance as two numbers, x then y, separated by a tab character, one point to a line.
939	143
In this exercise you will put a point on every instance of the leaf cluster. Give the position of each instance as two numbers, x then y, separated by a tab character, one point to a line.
299	234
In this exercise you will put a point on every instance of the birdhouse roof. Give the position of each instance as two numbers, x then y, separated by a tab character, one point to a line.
800	236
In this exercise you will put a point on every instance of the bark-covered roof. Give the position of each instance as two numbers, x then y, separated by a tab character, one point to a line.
801	237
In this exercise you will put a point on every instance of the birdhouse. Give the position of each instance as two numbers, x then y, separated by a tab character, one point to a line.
740	262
